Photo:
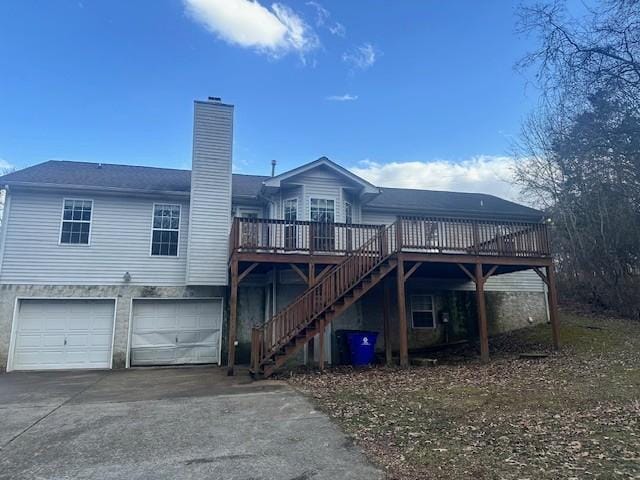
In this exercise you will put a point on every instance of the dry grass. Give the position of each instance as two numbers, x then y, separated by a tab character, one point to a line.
575	414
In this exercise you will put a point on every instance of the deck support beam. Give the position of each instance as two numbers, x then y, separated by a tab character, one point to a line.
247	271
311	346
402	314
300	273
233	317
552	297
386	312
482	314
412	270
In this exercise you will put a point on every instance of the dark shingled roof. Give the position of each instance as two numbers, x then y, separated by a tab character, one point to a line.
152	179
128	177
456	202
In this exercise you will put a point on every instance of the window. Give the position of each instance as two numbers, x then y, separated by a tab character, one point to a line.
324	213
291	210
348	213
322	210
166	230
422	311
76	222
290	231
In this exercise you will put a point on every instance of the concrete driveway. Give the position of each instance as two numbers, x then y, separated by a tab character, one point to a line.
166	424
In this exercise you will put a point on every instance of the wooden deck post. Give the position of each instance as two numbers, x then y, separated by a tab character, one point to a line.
386	312
233	317
402	314
552	295
482	314
321	345
311	346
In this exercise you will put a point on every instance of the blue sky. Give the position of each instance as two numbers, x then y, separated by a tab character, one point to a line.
413	93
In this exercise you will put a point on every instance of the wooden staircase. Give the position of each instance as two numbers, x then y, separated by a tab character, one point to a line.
274	342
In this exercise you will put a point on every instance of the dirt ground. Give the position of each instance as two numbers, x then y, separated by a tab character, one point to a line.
572	415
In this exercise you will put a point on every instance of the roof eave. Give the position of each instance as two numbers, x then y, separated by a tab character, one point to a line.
94	188
439	212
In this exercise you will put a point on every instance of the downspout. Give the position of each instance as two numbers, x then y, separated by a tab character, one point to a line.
5	221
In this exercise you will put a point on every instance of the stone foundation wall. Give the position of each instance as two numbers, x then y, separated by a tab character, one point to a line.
505	310
124	294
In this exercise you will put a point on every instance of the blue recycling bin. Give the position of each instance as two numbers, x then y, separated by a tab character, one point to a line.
362	346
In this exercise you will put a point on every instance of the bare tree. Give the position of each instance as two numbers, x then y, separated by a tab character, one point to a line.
580	150
578	57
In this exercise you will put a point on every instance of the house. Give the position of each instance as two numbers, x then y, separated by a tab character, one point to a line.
111	266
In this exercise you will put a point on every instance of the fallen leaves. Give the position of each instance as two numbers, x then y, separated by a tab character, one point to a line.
571	415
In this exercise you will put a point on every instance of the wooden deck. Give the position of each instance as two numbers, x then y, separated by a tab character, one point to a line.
354	257
279	241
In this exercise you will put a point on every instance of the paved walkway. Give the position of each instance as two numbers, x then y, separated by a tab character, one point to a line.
189	423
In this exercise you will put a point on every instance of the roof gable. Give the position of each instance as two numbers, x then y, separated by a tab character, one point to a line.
322	162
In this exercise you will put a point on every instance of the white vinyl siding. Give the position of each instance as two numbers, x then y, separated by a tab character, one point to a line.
120	237
210	194
522	281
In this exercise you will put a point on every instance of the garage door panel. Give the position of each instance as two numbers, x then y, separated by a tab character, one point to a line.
152	356
168	332
198	336
151	338
39	359
63	334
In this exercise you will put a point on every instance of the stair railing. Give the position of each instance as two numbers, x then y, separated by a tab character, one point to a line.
271	336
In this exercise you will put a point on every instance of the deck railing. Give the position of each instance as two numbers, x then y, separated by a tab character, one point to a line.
475	237
444	235
281	236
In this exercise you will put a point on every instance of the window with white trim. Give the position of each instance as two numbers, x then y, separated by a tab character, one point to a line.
422	315
323	210
291	209
76	222
166	230
348	213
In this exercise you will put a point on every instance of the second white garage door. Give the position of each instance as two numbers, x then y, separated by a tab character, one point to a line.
174	332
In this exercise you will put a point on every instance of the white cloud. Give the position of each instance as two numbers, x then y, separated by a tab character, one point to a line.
323	19
5	166
362	57
246	23
347	97
481	174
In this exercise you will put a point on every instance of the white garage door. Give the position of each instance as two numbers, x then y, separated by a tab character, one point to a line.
173	332
62	334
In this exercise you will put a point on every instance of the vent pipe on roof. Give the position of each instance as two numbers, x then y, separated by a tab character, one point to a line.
273	168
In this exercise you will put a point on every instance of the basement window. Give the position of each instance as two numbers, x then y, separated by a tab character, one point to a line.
166	230
422	311
76	222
